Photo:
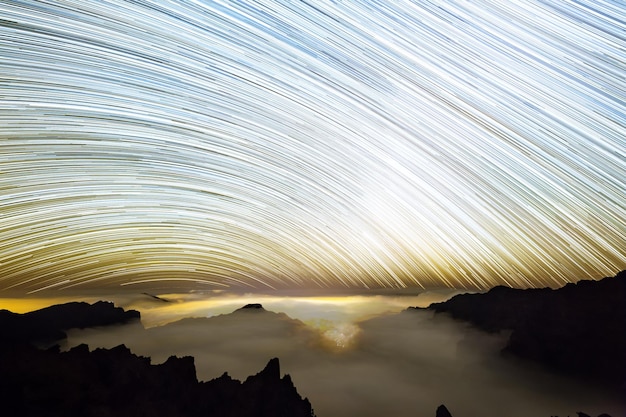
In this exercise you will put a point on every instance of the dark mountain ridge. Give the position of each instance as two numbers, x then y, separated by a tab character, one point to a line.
578	329
49	324
116	382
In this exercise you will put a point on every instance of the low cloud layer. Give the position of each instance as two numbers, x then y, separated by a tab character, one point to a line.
401	365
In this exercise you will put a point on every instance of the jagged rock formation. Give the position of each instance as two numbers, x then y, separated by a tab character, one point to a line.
263	394
577	329
115	382
442	411
49	324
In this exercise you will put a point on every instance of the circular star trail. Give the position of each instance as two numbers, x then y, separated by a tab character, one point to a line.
274	144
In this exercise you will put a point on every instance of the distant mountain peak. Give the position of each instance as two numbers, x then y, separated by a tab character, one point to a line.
254	306
49	324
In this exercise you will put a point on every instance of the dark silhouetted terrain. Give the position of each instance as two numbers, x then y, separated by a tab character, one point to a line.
115	382
578	329
49	324
442	411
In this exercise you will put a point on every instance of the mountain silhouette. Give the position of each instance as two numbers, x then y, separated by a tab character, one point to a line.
577	329
116	382
49	324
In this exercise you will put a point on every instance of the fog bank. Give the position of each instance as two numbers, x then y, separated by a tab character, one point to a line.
402	364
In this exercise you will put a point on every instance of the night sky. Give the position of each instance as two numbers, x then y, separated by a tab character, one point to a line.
179	145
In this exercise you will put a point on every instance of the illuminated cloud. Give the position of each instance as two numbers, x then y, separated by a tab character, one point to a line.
181	145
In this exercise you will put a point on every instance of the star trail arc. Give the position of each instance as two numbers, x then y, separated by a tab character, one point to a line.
269	144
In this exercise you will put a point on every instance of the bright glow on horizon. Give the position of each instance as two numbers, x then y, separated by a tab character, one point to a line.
170	146
334	318
316	311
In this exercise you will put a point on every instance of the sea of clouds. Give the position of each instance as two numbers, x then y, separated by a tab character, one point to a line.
355	355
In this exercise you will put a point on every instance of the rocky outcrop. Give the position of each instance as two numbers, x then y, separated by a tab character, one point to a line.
254	306
577	329
115	382
442	411
49	324
263	394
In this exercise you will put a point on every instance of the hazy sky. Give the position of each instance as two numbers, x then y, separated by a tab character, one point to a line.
176	145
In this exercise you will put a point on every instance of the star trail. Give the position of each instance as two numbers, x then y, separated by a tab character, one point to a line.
289	144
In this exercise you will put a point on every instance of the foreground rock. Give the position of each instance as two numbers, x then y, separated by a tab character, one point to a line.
442	411
577	329
115	382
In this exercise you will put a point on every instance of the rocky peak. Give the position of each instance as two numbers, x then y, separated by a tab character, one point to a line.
254	306
271	372
442	411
